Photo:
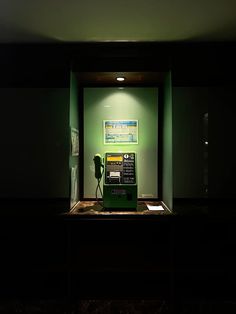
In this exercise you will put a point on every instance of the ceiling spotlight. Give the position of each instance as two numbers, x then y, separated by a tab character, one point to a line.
120	79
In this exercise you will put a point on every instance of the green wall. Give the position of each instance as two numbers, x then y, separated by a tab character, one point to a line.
167	171
128	103
74	123
74	117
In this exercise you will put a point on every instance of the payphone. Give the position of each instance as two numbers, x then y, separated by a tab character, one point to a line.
120	181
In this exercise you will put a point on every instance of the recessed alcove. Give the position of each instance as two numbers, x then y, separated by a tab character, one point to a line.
143	96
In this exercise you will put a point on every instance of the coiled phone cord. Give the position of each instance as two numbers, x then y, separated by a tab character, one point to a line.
100	190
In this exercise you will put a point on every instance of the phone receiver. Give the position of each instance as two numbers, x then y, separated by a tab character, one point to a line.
98	165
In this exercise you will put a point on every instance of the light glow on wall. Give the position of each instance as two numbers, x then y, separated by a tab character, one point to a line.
131	103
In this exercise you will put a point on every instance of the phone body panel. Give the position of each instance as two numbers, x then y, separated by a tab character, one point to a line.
120	181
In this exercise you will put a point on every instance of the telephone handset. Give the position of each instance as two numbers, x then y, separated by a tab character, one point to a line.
98	166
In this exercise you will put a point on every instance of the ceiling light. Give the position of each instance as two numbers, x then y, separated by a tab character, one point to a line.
120	79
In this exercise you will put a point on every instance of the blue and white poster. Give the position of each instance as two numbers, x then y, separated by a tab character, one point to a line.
120	131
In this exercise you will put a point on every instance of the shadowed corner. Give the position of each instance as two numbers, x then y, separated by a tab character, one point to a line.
18	34
221	32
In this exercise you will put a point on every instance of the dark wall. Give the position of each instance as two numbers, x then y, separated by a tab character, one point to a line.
222	153
189	106
35	143
41	75
34	95
204	78
189	149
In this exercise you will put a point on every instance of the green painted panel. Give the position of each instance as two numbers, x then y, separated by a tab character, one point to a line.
74	123
74	118
167	188
117	104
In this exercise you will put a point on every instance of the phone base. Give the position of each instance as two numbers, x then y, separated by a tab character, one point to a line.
120	197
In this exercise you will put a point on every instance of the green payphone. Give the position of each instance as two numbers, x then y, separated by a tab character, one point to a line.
120	182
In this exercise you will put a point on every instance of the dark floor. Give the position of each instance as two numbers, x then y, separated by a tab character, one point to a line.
173	264
116	307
